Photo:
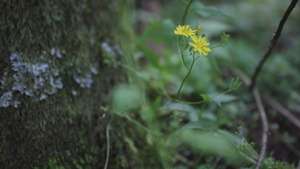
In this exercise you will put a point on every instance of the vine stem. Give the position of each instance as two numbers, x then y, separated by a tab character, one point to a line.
186	76
185	12
273	42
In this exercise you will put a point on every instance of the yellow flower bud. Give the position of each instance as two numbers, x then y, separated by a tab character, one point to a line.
198	30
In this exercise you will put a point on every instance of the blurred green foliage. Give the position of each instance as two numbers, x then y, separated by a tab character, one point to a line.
223	131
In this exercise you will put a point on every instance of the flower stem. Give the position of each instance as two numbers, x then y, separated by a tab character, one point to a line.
185	12
108	145
184	62
181	54
186	76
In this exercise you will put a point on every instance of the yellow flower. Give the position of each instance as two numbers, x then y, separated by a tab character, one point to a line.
184	30
200	45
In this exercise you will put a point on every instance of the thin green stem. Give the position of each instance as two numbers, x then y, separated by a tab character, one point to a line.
108	145
181	54
163	92
215	47
220	44
184	62
159	144
186	76
136	123
203	101
185	12
197	102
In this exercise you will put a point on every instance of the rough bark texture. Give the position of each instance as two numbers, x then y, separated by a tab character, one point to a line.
58	64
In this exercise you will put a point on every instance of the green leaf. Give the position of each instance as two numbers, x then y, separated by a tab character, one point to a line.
159	31
147	114
156	103
235	84
203	124
205	97
192	112
150	55
126	97
211	143
144	75
223	98
224	39
237	141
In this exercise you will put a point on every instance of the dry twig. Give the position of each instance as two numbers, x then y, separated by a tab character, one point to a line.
255	92
265	127
282	110
273	42
262	114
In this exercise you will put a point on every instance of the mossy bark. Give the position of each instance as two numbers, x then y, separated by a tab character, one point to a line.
58	64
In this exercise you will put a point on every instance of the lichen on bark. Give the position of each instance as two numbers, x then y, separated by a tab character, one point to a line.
58	64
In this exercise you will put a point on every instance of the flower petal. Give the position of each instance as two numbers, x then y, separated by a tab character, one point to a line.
194	38
200	44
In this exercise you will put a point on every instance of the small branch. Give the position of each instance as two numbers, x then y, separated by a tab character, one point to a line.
282	110
273	42
216	161
135	122
186	76
265	127
262	114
